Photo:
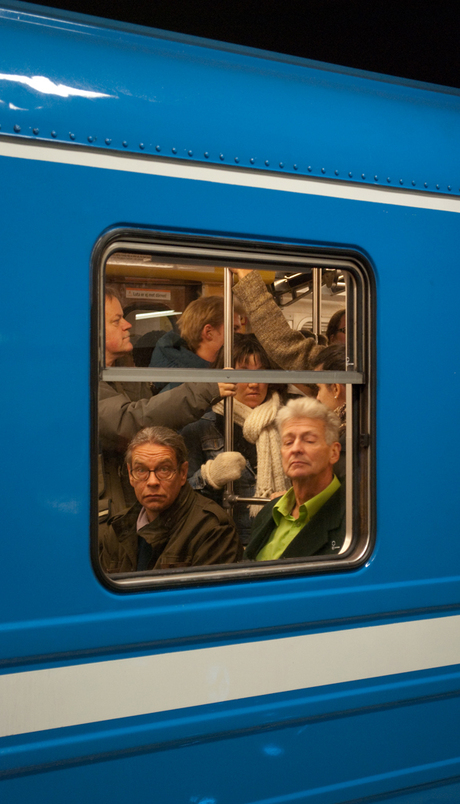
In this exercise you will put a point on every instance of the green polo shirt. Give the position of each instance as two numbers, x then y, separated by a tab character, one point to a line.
286	526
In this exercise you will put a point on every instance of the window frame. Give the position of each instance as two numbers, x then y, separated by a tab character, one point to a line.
360	502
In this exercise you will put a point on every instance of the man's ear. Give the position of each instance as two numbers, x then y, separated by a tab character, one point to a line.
335	452
183	473
206	332
131	480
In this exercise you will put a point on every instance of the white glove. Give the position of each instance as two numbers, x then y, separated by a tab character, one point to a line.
219	471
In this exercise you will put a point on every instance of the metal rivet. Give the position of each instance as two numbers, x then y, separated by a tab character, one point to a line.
336	172
71	135
108	141
17	129
53	134
90	138
295	167
190	153
413	183
449	187
157	148
363	175
36	131
252	160
221	157
206	154
141	146
125	144
437	186
281	164
401	181
237	159
267	163
388	179
309	168
376	178
174	150
425	184
323	170
350	174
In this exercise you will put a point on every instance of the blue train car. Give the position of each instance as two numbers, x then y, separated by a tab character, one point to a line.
158	161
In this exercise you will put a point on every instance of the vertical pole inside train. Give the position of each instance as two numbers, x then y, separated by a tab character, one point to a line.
228	362
316	303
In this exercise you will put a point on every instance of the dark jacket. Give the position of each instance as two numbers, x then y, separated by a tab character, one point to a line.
124	409
324	534
193	531
171	351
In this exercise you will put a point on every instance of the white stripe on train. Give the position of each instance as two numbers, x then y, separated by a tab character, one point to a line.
155	166
57	697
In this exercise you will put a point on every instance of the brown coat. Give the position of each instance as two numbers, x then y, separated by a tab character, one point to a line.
193	531
285	346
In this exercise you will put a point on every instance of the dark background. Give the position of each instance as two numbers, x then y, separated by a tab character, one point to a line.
411	39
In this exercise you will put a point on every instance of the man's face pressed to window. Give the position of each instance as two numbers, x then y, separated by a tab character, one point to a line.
155	493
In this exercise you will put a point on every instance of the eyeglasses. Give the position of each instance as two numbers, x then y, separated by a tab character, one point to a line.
161	473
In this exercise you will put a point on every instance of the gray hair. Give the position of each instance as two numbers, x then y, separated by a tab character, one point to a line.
163	437
308	408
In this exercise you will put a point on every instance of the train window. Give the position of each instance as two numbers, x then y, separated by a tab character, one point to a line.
179	326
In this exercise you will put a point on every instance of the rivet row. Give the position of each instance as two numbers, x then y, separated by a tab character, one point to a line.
252	160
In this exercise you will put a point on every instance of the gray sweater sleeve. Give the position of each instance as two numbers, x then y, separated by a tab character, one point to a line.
120	418
285	346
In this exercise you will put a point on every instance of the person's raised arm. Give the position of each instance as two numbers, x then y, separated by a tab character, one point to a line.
285	346
120	418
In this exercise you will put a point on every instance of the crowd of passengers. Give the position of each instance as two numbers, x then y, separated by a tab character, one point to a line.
163	467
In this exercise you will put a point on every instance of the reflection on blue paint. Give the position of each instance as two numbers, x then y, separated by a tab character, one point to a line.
273	750
43	84
197	800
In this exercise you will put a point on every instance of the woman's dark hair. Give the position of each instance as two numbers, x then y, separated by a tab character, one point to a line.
331	358
334	324
245	346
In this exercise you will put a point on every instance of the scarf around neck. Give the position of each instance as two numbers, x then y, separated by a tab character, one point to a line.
258	425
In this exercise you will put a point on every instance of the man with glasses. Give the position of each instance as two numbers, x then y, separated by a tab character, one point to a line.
170	525
124	408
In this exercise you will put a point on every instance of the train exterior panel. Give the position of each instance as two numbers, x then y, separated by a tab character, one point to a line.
327	687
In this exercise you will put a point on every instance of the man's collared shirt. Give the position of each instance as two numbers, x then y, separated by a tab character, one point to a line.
142	519
286	526
144	549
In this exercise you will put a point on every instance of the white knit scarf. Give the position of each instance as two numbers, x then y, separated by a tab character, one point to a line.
259	429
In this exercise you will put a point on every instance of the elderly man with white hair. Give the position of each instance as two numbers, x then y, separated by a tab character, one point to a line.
310	518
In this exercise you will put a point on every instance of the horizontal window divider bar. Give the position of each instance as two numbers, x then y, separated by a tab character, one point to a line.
132	374
234	498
